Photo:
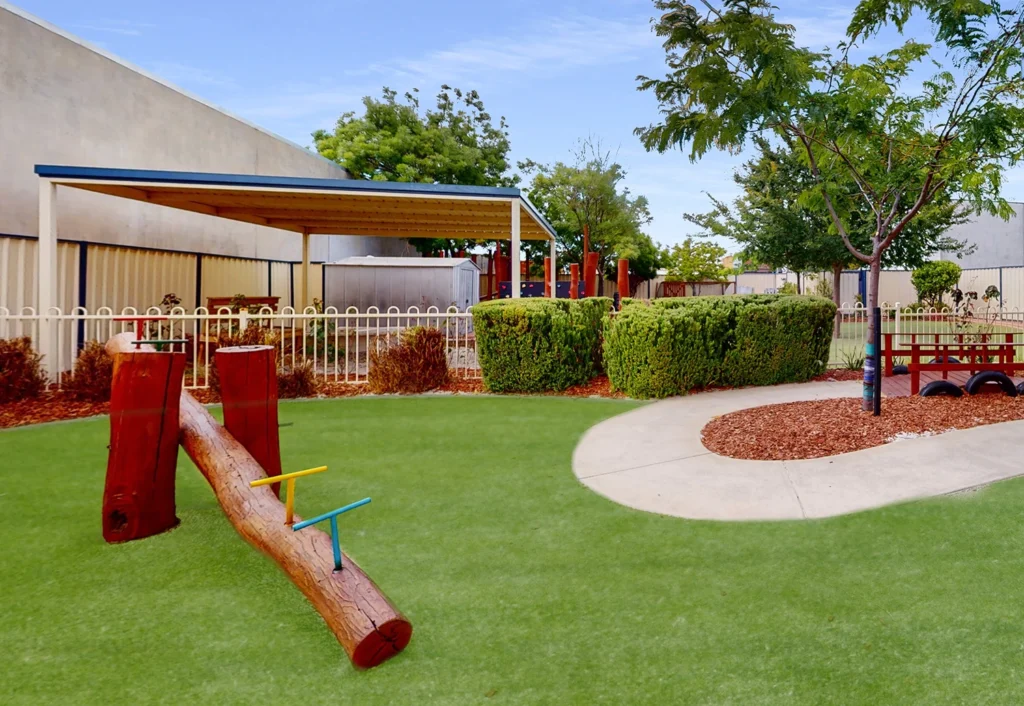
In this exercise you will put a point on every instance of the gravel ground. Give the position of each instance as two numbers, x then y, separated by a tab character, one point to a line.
796	430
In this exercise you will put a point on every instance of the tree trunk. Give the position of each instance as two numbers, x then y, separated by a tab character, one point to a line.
138	495
366	624
867	399
837	280
248	390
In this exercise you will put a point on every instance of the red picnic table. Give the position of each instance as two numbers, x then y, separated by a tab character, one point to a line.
973	353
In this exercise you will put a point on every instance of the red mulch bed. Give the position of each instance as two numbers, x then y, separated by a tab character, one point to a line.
840	375
51	407
783	432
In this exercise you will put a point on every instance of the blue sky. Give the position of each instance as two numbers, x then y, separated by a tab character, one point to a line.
557	71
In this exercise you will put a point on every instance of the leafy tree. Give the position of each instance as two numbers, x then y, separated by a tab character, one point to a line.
934	279
735	71
589	193
772	224
456	142
692	261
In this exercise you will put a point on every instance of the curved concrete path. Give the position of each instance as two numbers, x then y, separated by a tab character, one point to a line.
652	459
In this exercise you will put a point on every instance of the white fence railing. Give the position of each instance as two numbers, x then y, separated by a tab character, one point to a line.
913	323
338	345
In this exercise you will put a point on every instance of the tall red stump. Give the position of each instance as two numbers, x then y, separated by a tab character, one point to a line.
138	497
590	275
623	281
574	281
547	277
248	389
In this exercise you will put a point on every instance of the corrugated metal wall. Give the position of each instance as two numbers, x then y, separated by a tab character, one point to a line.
226	277
18	268
316	282
894	286
119	277
280	283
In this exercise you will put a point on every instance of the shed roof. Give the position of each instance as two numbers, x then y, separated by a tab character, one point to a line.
321	206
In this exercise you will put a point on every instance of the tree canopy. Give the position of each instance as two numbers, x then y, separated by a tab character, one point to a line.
589	193
456	142
901	137
694	261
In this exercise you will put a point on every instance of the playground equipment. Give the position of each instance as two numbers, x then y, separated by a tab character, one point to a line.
364	621
985	377
289	502
333	517
938	388
957	353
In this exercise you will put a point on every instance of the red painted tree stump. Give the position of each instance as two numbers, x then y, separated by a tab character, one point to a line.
248	389
138	497
590	275
574	281
623	283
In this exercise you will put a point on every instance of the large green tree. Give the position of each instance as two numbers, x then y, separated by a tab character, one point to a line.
900	136
772	224
455	142
588	193
693	261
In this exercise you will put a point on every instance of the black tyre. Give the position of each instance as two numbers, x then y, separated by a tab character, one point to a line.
979	380
1020	388
941	387
944	359
900	370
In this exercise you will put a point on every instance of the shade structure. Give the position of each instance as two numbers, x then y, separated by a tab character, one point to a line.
303	206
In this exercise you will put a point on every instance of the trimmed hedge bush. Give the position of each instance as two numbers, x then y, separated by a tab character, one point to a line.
676	345
533	345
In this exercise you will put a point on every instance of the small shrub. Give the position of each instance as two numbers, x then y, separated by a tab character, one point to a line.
789	288
92	376
417	363
676	345
21	370
852	359
934	279
299	381
534	345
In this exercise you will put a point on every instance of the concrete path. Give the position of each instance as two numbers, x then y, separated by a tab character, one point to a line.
652	459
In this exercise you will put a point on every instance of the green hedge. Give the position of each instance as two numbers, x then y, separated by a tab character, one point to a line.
533	345
675	345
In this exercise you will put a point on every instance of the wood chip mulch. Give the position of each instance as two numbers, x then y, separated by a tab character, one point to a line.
51	407
795	430
840	375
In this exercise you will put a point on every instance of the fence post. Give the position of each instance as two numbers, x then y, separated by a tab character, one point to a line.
1000	293
898	321
878	362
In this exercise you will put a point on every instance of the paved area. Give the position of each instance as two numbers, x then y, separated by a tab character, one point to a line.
652	459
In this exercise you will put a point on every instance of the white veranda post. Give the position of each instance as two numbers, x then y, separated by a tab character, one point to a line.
515	249
554	270
304	289
47	272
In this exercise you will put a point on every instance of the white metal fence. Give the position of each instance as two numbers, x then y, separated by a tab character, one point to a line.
338	345
972	319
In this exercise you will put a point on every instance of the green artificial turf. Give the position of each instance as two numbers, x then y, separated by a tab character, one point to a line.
523	586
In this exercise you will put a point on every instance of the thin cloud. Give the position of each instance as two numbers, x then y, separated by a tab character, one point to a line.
827	28
189	75
550	46
127	28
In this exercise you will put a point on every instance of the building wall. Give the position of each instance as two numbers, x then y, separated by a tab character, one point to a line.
64	102
999	243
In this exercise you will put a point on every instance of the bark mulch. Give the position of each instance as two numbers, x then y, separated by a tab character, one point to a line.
50	407
795	430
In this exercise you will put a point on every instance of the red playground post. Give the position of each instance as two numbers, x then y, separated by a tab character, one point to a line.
574	281
623	281
138	496
590	275
547	277
248	389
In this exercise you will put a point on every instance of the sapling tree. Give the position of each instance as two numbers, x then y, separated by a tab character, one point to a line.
902	125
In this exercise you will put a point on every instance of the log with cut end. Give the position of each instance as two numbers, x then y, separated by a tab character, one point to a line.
365	622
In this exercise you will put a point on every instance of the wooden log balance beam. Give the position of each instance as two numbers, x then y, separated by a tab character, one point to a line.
361	617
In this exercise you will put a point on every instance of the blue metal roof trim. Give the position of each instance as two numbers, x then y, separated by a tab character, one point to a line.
155	176
52	171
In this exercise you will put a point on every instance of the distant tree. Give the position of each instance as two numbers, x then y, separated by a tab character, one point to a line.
773	225
693	261
456	142
589	192
901	137
934	279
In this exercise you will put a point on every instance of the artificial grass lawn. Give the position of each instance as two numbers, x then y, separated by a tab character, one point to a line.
522	585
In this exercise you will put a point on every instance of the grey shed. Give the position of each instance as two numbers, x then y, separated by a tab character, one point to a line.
402	282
